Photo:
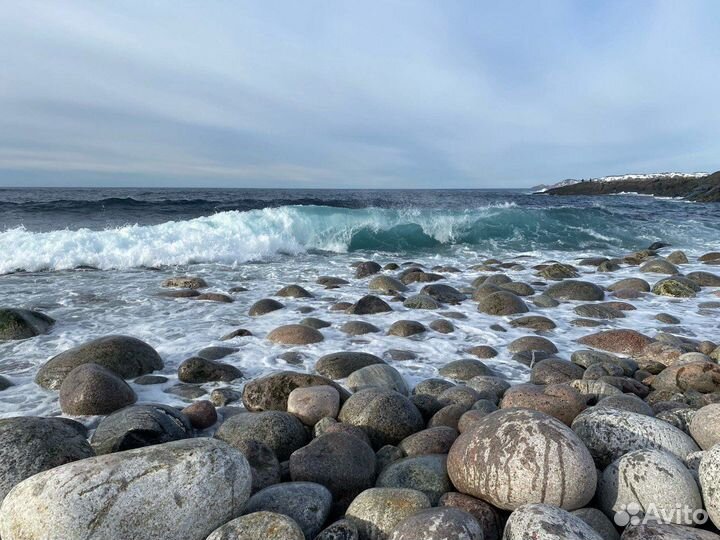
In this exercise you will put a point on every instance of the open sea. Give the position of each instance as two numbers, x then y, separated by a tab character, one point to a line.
94	259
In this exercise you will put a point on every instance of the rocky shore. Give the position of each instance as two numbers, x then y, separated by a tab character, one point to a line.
703	189
614	437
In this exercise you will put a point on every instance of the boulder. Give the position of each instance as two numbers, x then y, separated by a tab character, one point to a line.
598	521
201	370
560	401
436	440
488	517
510	458
709	480
263	463
295	334
445	523
502	303
264	306
676	287
444	294
378	376
293	291
369	305
90	389
265	525
23	323
307	503
666	531
555	371
405	328
659	266
571	289
635	284
125	356
421	301
386	285
386	416
546	522
359	328
185	282
339	461
312	403
656	482
620	341
705	426
341	364
463	370
426	473
377	511
31	444
201	414
367	268
280	431
271	392
183	489
611	433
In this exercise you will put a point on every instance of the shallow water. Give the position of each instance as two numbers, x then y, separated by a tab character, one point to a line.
266	248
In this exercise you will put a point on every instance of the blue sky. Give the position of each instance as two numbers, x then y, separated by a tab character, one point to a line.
425	94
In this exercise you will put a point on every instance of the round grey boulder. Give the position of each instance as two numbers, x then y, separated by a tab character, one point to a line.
181	489
611	433
265	525
378	376
341	364
201	370
264	306
445	523
465	369
426	473
31	444
386	416
570	289
271	392
386	285
308	504
359	328
546	522
509	459
138	426
377	511
502	303
659	485
709	475
125	356
436	440
705	426
282	432
339	461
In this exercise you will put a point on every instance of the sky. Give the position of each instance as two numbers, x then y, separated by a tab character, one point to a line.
355	94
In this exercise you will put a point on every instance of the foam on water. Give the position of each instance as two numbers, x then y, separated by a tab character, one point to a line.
235	237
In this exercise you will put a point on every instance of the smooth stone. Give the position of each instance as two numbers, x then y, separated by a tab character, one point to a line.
598	521
436	440
240	332
386	416
271	392
367	268
369	305
138	426
546	522
555	371
377	376
282	432
445	523
709	475
386	285
442	326
358	328
598	311
659	266
404	328
463	370
293	291
666	531
426	473
705	426
377	511
202	370
125	356
490	387
341	364
343	529
216	353
263	463
338	461
626	402
558	271
307	503
23	323
537	323
560	401
650	477
312	403
621	341
90	389
183	489
32	444
224	396
501	304
509	459
676	287
489	518
201	414
421	301
215	297
571	289
636	284
185	282
315	323
611	433
444	294
264	306
531	344
265	525
587	358
295	334
483	351
432	387
705	279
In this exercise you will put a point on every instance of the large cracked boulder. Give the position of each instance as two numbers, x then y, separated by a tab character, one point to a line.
509	458
184	489
126	356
